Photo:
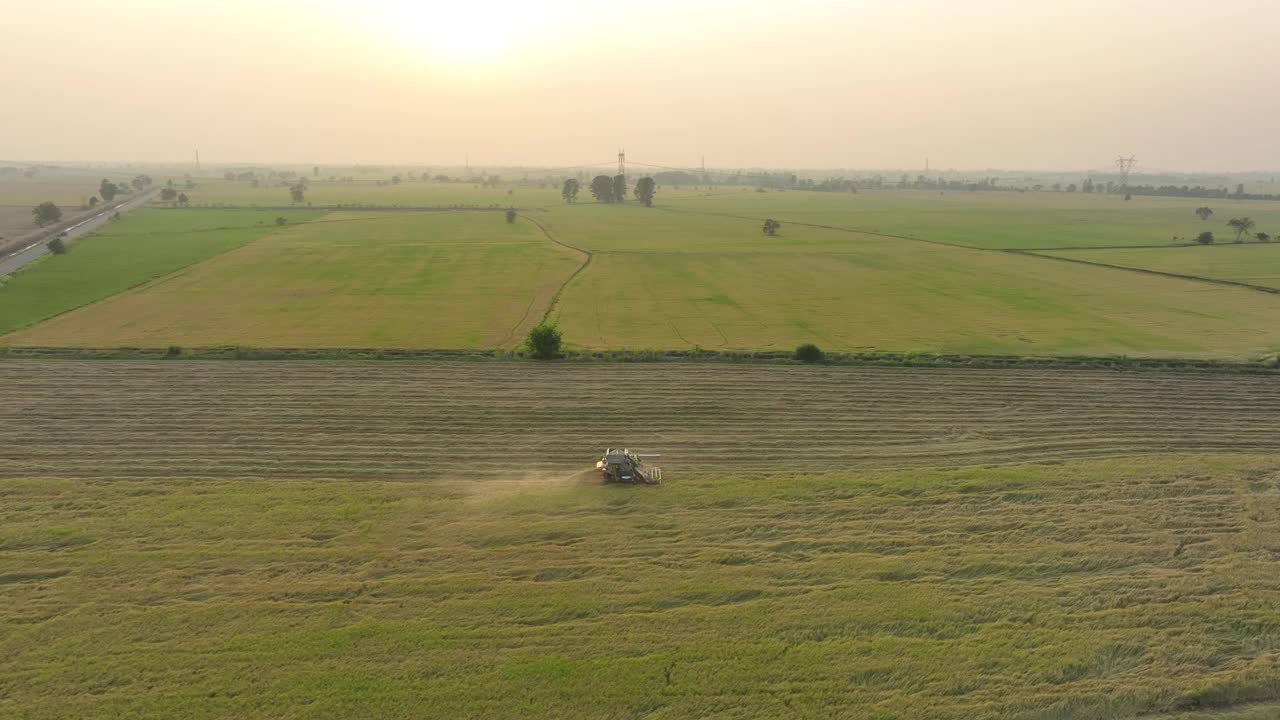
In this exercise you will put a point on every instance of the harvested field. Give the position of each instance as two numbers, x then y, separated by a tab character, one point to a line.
458	420
15	222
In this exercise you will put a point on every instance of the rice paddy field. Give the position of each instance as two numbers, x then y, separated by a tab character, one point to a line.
997	220
142	247
220	539
723	286
893	271
1249	263
342	280
366	192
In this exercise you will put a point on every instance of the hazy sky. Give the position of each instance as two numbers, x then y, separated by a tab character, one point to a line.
1031	84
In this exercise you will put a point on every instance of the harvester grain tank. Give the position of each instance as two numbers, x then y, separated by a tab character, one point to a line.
624	466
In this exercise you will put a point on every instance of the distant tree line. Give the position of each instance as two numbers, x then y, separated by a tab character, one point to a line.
790	181
1243	227
610	190
1200	191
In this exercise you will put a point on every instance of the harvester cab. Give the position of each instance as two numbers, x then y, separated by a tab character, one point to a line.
624	466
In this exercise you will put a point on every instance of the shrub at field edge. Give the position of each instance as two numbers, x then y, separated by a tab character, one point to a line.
810	353
544	341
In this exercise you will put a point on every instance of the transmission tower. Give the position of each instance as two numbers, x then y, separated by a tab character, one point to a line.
1125	165
622	161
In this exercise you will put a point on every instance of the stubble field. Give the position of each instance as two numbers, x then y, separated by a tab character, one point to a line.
448	420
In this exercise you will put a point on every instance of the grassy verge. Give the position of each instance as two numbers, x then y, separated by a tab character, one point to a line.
1269	364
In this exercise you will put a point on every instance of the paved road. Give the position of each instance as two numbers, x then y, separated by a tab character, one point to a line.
31	252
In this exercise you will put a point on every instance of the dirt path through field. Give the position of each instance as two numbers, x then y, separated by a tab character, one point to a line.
458	420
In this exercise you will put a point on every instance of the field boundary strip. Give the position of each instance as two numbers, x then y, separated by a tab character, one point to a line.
1266	366
1126	247
353	208
1149	271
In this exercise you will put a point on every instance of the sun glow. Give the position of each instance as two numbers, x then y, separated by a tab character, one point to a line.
466	33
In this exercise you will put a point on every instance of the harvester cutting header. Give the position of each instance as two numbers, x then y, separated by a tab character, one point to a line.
624	466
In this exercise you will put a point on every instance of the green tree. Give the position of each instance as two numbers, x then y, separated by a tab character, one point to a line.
645	189
297	193
1204	213
168	194
544	341
771	227
619	188
1205	238
93	201
281	221
570	190
46	212
810	353
140	181
57	246
511	215
1241	225
183	200
1262	237
108	190
602	188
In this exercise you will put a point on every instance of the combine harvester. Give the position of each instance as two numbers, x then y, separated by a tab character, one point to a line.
624	466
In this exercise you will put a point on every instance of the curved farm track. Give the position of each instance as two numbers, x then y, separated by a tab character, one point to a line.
445	420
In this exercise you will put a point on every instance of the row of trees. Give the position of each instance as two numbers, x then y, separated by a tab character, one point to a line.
172	196
48	212
1241	226
1199	191
607	189
782	180
109	190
